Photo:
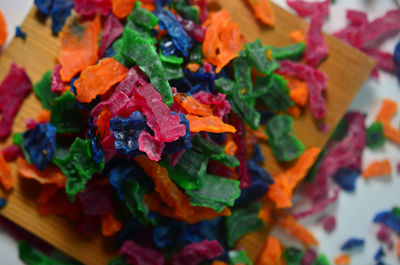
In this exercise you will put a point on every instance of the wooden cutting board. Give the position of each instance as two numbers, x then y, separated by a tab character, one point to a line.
346	67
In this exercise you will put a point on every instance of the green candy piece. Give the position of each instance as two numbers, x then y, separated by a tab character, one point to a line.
314	169
189	171
144	54
65	114
216	193
242	70
396	211
238	257
375	136
42	90
285	145
143	17
134	199
121	260
18	139
293	256
291	52
118	54
141	31
255	51
78	167
275	92
171	59
322	259
225	86
186	11
173	71
340	131
32	256
241	222
196	54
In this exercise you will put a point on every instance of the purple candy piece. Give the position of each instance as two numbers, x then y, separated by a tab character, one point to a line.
151	146
91	7
197	252
329	223
195	31
88	225
138	255
112	30
57	84
309	257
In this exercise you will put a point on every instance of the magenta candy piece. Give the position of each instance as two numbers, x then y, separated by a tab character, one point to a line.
398	166
174	158
202	4
11	152
208	67
108	145
166	126
195	31
307	8
329	223
197	252
324	127
318	206
96	199
384	60
357	18
309	257
138	255
221	106
115	103
151	146
112	30
30	123
384	235
316	48
135	78
57	84
91	7
316	82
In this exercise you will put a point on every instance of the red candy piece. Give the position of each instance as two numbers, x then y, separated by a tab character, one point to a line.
11	152
220	105
15	86
166	126
384	60
112	30
91	7
137	254
329	223
57	84
192	29
197	252
108	145
316	48
151	146
47	192
307	8
316	82
59	204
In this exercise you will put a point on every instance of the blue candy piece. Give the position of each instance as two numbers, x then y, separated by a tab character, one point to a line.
19	33
257	154
97	149
204	81
183	142
44	6
180	38
109	52
130	231
352	244
40	144
379	254
346	178
3	202
60	11
389	219
168	48
219	138
161	3
259	186
396	58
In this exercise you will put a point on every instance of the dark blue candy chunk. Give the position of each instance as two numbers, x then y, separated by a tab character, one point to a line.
204	81
182	142
396	58
19	33
167	47
129	231
379	254
353	244
3	202
389	219
161	3
109	52
180	38
44	6
40	144
257	154
346	178
59	13
97	149
259	186
219	138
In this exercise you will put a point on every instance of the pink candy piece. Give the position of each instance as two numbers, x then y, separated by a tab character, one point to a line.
115	103
384	60
316	48
166	126
324	127
151	146
112	30
307	8
137	254
30	123
197	252
136	78
318	206
309	257
11	152
316	82
57	84
398	166
221	106
357	18
329	223
383	235
91	7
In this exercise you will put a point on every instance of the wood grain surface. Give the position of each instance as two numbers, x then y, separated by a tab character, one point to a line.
347	69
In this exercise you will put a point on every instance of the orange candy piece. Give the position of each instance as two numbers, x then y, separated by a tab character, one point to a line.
271	252
44	116
378	169
218	262
296	230
294	111
230	148
103	123
297	36
263	11
122	8
3	29
98	79
281	191
6	179
208	124
50	175
343	259
193	67
192	106
388	109
79	46
109	225
298	90
60	205
398	247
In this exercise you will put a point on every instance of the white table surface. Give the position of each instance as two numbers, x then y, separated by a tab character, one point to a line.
354	211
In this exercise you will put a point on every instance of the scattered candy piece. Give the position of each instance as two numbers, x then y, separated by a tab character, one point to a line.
384	235
297	36
6	179
377	169
19	33
388	218
352	244
293	256
3	203
208	124
197	252
329	223
375	135
297	231
263	11
3	29
346	178
271	252
91	7
343	259
122	8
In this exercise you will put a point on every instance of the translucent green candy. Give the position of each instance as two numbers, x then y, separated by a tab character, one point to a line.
375	136
242	70
18	139
134	199
173	71
32	256
340	131
42	90
143	17
144	54
274	91
255	51
216	193
293	256
283	142
238	257
186	11
242	221
196	55
78	167
65	114
291	52
322	259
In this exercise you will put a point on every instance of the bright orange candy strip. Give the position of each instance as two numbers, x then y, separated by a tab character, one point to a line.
343	259
218	262
122	8
44	116
193	67
231	40
208	124
377	169
296	230
98	79
294	111
79	46
103	123
3	30
6	179
109	225
297	36
298	90
230	148
192	106
271	252
50	175
263	11
388	109
398	247
281	191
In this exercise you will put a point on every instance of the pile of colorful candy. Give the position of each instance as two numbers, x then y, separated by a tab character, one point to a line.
150	129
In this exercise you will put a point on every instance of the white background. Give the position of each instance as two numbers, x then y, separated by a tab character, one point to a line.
354	211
